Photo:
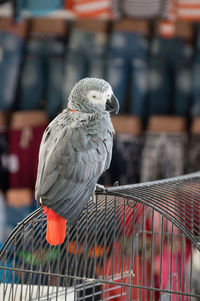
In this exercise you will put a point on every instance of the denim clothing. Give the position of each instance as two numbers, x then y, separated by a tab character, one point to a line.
85	57
15	215
169	77
42	74
11	51
163	156
195	107
193	158
126	160
8	276
127	66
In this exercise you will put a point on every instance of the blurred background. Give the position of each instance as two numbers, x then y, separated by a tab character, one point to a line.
149	51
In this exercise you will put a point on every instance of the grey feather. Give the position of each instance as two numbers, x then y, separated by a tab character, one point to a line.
75	149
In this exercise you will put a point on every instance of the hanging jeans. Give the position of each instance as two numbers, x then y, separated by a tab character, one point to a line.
127	67
195	108
16	215
42	76
163	156
169	77
126	159
85	57
11	51
193	160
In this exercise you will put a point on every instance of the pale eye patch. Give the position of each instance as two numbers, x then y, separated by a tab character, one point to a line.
96	97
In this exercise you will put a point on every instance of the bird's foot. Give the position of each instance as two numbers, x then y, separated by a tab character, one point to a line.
99	188
116	183
93	197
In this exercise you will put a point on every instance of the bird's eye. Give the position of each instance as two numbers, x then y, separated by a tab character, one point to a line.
94	96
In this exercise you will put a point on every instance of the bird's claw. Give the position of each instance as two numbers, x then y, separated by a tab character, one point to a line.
100	188
116	183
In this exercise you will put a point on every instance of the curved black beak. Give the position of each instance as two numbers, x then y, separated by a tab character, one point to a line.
112	105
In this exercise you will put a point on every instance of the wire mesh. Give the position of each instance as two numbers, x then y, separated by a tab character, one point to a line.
135	242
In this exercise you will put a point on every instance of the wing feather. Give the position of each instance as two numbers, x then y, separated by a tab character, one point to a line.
71	160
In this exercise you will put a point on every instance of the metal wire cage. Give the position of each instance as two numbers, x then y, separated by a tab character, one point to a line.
136	242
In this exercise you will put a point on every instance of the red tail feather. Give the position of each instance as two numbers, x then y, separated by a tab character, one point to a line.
56	227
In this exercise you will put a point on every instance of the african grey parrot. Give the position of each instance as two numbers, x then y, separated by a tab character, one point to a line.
76	148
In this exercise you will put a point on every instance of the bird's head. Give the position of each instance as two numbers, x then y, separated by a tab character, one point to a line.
92	95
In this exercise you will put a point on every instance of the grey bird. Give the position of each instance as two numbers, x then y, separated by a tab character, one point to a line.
76	148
